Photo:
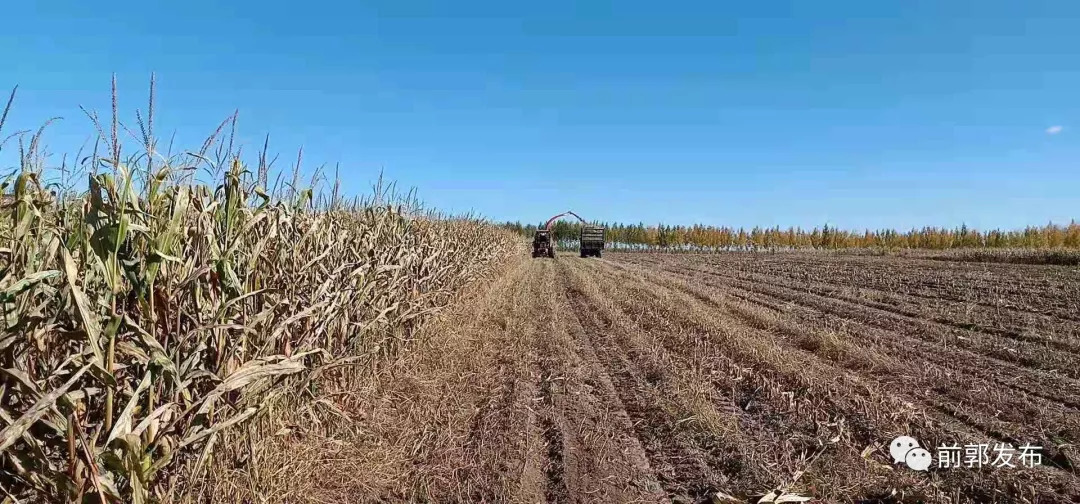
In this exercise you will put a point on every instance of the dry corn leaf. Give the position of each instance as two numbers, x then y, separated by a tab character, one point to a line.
12	432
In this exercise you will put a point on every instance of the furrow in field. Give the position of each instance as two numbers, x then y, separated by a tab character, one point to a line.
791	422
992	354
1015	289
828	311
1036	333
843	388
1028	353
987	406
593	454
687	461
966	365
505	448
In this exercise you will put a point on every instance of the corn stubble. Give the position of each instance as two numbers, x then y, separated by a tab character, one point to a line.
148	316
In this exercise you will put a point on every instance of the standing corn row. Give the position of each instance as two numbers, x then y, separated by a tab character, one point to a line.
138	327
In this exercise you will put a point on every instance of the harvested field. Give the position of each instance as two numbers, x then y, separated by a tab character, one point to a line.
669	378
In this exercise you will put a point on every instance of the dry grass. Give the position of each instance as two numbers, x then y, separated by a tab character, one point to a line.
149	318
405	431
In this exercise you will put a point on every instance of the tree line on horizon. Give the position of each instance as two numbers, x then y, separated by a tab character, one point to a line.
705	237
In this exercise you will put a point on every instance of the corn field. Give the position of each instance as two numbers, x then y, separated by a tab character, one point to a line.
146	313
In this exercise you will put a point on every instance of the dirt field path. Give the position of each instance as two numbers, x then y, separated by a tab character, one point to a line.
648	378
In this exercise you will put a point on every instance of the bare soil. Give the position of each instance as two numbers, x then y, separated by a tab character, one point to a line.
670	378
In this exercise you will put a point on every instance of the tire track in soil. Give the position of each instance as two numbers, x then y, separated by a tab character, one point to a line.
506	463
592	453
555	490
541	316
684	467
613	412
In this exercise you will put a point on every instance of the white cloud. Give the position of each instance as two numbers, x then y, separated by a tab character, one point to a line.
1053	130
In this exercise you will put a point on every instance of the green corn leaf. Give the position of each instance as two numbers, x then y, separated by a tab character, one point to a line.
8	295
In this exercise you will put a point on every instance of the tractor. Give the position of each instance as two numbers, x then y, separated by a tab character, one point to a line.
543	244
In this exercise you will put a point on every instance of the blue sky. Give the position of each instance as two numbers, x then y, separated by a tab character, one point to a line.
858	114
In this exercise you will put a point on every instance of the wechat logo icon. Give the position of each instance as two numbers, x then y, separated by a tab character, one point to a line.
905	449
